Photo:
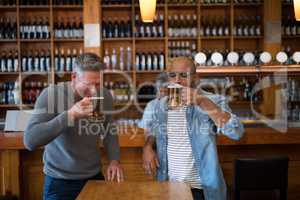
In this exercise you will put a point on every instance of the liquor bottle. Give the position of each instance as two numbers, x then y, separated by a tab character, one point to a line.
121	59
148	61
128	58
116	28
8	28
106	60
8	3
114	60
57	60
35	28
69	67
62	60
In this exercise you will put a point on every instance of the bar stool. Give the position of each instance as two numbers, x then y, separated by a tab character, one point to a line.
261	174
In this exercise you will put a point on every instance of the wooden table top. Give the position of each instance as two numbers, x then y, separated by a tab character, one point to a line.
148	190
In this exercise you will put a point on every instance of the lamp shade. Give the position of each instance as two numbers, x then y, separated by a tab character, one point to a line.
297	9
148	8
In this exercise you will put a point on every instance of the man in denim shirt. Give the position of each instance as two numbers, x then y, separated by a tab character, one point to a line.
205	115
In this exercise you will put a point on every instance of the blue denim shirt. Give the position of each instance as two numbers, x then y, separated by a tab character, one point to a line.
202	133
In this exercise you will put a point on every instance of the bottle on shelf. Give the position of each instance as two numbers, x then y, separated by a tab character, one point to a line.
155	29
8	28
118	59
116	28
247	26
214	26
182	25
36	61
35	28
149	61
182	48
9	93
34	2
31	91
9	61
8	3
72	29
64	59
290	27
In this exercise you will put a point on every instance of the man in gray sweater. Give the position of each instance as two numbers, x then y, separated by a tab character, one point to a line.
61	123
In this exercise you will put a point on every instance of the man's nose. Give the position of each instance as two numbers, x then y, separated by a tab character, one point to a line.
178	80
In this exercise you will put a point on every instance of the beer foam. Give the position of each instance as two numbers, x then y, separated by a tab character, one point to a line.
96	98
174	85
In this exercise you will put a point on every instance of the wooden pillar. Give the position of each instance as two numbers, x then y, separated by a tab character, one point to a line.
10	172
91	18
272	26
272	44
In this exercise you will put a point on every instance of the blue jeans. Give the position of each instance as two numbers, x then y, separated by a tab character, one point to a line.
62	189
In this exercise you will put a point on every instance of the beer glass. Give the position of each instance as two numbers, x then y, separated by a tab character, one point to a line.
174	96
97	115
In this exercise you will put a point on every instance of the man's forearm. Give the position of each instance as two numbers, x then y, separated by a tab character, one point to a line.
219	116
150	141
40	132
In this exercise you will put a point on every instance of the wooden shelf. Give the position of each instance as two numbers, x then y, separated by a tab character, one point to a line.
117	39
10	8
67	7
116	71
215	38
221	70
290	37
149	72
35	40
182	5
33	7
215	5
69	40
247	37
149	38
8	73
35	73
117	6
182	38
247	4
8	40
246	69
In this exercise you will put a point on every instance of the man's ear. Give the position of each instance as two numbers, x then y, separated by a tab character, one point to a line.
73	76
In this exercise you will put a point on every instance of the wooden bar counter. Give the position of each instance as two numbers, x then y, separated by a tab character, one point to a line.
21	171
134	190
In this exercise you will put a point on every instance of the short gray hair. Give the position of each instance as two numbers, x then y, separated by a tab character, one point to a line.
88	62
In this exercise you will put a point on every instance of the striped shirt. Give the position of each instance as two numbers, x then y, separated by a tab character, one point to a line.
181	163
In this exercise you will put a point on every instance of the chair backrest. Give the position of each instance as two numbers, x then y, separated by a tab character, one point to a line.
261	173
8	197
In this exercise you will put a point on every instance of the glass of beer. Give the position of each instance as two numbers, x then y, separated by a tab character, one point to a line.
174	96
97	115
